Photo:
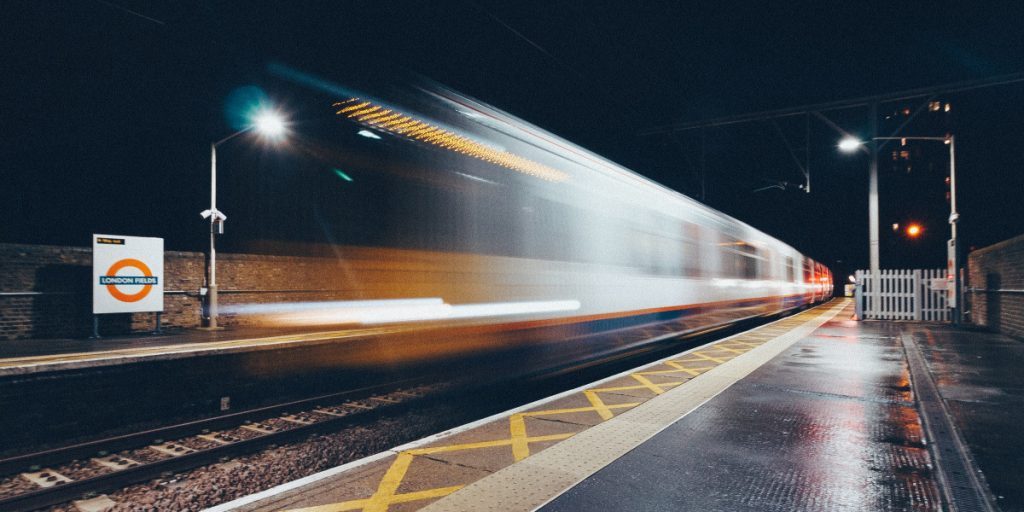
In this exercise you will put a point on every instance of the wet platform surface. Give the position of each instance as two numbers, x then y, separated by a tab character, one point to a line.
980	376
826	416
833	424
829	424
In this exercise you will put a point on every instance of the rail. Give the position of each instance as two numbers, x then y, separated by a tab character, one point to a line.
117	479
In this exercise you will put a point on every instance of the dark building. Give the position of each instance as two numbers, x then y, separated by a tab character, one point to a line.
914	184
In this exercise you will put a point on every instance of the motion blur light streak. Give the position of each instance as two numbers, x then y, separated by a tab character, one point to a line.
512	308
383	119
341	174
475	178
391	311
288	307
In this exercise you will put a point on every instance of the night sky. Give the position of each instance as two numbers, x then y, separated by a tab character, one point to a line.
109	107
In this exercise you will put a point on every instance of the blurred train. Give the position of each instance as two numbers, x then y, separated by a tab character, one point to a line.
457	217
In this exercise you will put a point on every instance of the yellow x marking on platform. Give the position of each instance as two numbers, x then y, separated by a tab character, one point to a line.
604	410
700	357
517	425
727	349
657	389
680	368
387	491
747	344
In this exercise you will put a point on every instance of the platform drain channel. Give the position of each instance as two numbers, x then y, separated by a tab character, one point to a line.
959	477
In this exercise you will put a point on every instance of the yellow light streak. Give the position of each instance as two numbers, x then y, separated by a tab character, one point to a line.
369	114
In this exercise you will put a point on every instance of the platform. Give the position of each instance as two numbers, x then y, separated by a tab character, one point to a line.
812	412
49	355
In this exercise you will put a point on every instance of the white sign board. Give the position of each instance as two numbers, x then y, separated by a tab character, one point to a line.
127	274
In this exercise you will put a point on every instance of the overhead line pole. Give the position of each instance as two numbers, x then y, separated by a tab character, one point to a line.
873	205
842	104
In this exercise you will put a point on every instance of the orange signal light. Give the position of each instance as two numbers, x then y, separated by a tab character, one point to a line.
914	230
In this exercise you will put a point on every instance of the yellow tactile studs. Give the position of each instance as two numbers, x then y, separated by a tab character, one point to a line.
567	417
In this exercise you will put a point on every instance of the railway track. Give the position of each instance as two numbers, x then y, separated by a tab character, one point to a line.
46	478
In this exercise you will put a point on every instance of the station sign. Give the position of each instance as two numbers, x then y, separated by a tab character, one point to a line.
127	274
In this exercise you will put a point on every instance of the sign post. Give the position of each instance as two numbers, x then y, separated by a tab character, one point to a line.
951	272
127	276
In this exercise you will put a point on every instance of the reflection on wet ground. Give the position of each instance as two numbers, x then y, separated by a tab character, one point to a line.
830	424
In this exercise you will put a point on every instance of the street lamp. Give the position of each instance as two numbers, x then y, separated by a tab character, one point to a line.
271	125
850	144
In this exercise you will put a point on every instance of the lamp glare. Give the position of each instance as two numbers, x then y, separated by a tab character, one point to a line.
849	144
269	124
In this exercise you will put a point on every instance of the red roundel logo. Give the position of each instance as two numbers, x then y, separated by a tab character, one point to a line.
112	280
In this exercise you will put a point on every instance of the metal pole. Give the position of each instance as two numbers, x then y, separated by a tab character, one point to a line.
807	153
703	170
954	218
211	284
873	205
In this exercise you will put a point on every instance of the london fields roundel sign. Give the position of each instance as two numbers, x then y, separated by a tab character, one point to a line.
127	274
112	280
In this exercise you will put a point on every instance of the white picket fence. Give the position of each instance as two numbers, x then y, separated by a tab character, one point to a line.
914	294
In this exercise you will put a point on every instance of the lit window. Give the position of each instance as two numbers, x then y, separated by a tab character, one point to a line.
948	107
935	106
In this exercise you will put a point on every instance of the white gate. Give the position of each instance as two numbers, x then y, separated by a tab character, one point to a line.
903	295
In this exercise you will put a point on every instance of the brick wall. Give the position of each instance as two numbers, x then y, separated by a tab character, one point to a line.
999	266
61	305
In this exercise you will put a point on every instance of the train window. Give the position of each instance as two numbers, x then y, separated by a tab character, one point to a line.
728	257
642	248
665	251
691	250
790	271
748	261
739	259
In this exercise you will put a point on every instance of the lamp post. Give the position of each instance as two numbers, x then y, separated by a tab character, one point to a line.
850	144
269	124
